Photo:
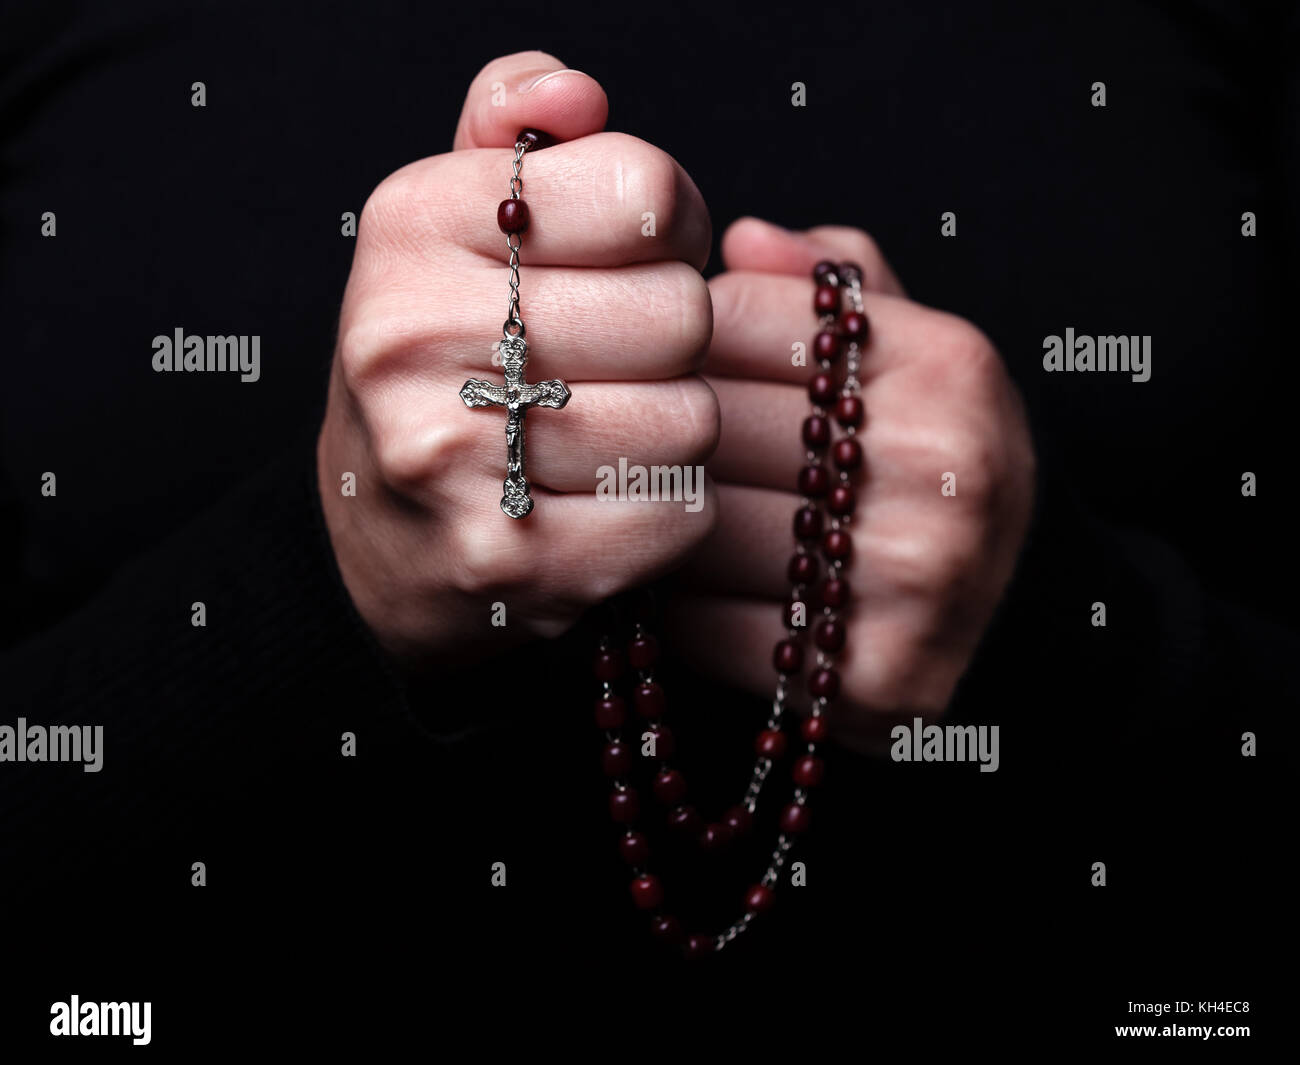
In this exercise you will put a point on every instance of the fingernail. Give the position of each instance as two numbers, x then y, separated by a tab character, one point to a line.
532	83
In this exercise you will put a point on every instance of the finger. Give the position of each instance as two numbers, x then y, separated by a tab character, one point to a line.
603	428
644	322
753	541
753	244
604	200
529	90
761	445
760	318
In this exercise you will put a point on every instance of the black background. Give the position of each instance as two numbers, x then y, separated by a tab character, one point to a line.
942	902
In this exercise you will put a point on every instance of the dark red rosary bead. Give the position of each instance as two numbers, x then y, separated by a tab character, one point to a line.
770	743
647	893
826	299
608	665
616	759
824	684
854	326
816	431
623	805
787	657
670	787
648	698
814	481
759	898
715	837
850	412
830	636
698	946
610	712
534	140
666	928
821	389
834	592
803	568
847	454
850	272
807	772
643	652
837	544
807	523
824	273
795	818
684	818
828	345
634	848
739	820
512	216
814	729
842	500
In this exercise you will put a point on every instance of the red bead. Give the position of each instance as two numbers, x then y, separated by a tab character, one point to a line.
826	300
634	848
824	273
610	711
608	665
816	431
665	744
623	805
648	698
787	657
828	345
646	893
842	500
667	929
814	729
770	743
512	216
534	140
698	946
830	636
848	453
795	818
807	771
850	411
643	652
715	837
834	592
850	272
739	820
854	326
837	544
616	759
803	568
814	481
807	523
821	389
824	684
670	787
759	898
684	819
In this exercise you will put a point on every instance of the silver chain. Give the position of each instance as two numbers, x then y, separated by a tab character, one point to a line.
513	242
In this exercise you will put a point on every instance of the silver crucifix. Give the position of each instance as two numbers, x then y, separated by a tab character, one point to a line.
516	396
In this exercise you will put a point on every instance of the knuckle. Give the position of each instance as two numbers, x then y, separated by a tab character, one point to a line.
482	566
703	417
964	347
407	462
648	180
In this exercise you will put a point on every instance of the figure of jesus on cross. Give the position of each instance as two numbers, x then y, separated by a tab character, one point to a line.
516	396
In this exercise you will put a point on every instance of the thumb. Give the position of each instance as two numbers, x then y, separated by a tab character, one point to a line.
529	90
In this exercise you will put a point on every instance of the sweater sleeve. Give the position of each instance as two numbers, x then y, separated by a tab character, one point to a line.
195	715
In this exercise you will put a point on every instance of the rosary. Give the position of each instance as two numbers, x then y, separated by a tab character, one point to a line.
821	522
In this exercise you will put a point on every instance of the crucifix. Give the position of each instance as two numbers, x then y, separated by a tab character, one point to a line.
516	396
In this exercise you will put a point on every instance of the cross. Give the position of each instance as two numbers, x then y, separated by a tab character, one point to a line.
516	396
